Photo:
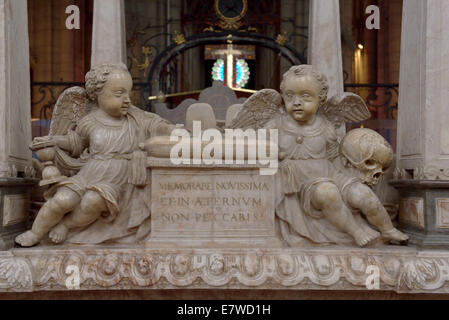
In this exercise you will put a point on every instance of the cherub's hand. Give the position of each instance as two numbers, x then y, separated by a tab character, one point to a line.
159	146
42	139
42	142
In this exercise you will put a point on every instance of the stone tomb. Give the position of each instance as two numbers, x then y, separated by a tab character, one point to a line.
219	205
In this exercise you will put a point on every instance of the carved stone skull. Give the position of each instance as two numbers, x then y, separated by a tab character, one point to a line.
367	151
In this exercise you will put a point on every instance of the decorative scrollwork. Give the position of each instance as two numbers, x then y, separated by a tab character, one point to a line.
146	51
137	268
381	99
179	38
282	38
15	273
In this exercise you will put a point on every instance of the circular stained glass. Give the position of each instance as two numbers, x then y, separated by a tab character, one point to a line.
218	70
243	73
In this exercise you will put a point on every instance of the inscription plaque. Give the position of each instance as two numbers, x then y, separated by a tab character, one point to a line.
411	212
15	209
200	206
442	209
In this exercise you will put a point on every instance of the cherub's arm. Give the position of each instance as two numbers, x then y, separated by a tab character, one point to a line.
157	126
70	124
63	142
66	142
75	141
70	142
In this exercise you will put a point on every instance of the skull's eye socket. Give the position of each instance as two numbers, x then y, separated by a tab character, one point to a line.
370	163
377	175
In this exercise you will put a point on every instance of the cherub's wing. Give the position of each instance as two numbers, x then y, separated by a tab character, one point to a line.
344	108
258	109
71	106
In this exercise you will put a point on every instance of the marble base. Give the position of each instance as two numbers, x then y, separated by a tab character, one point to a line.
14	208
424	211
401	269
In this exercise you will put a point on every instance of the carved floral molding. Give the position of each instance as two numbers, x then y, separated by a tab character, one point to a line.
401	269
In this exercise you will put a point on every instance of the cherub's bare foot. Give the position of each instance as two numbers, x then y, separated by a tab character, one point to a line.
59	233
372	233
395	235
27	239
363	238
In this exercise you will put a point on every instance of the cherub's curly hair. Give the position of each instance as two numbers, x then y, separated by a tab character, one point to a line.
97	77
304	70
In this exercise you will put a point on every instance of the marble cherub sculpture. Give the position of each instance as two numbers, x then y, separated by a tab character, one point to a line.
94	136
319	196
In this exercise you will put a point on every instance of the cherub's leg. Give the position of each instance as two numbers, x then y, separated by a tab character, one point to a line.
327	198
90	209
65	200
361	197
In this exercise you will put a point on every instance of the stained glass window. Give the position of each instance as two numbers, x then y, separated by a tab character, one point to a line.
230	63
218	70
240	76
242	73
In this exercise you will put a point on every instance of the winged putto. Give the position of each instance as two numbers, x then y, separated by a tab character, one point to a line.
324	194
95	171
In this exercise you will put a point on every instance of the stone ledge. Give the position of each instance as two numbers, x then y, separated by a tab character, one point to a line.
154	162
420	184
18	182
402	269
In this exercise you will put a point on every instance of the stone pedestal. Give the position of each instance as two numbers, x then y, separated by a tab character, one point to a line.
423	120
210	206
108	32
15	119
424	211
14	208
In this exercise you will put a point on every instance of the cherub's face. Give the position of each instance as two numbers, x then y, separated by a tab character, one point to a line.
301	98
114	98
